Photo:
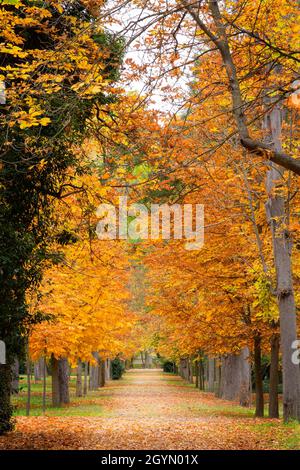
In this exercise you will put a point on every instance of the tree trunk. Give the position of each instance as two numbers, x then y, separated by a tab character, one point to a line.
55	382
197	373
101	374
85	383
143	359
185	369
15	377
28	374
147	360
6	422
108	369
63	378
38	370
218	390
277	217
259	392
79	379
94	372
90	376
245	378
236	377
44	385
190	370
201	375
229	377
211	375
273	387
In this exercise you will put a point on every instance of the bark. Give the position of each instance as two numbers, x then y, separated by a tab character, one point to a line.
63	378
197	373
94	372
101	373
277	157
273	387
190	371
201	375
245	381
259	393
218	389
205	365
108	369
44	384
281	239
236	377
85	382
147	360
6	422
15	377
90	376
28	374
211	374
79	379
143	360
55	382
184	369
39	369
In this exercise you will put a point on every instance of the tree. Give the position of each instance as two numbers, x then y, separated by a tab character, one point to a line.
54	75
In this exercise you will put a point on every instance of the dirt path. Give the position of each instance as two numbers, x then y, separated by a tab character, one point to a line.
150	410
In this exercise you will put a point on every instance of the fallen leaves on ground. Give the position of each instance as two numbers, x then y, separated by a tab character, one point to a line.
148	410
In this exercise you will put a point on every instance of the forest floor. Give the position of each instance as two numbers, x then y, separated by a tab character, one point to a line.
147	410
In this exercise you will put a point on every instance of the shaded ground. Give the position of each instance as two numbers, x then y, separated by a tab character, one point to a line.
151	410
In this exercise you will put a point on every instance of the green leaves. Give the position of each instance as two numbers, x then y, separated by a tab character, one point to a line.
15	3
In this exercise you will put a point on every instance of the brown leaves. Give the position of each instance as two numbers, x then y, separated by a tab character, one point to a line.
148	410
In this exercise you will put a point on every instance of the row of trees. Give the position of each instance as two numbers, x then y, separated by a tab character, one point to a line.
58	66
228	146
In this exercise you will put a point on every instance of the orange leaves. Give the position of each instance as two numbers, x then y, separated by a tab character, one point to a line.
86	299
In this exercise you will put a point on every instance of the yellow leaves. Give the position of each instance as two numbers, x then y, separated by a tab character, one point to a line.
70	59
31	118
33	13
89	85
44	121
14	50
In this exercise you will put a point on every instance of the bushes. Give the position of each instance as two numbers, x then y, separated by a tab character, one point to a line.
117	368
169	366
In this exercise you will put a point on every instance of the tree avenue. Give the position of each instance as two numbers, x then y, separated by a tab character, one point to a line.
168	103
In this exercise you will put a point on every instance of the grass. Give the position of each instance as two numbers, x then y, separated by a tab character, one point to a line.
231	410
91	405
288	433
